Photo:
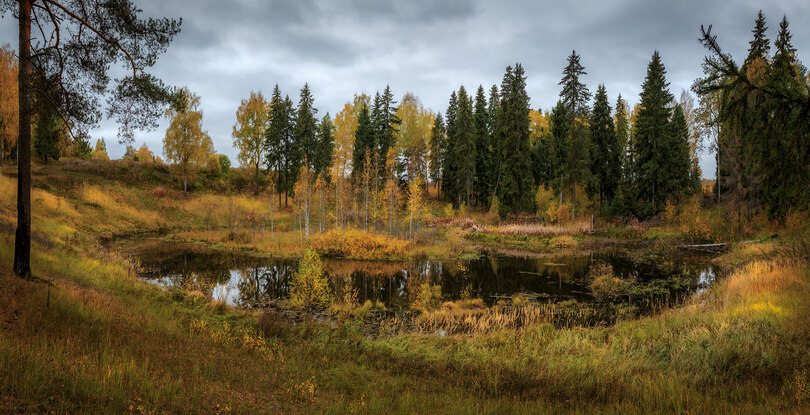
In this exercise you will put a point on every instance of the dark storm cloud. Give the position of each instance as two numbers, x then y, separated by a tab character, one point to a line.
431	47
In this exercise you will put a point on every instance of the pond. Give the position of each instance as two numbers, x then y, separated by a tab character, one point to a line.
249	282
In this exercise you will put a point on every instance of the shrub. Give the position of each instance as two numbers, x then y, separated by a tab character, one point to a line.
562	242
240	237
695	224
670	212
496	204
429	297
356	243
273	324
309	289
462	210
544	200
448	210
604	284
559	213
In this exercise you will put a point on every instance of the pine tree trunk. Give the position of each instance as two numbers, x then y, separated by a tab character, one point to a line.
22	241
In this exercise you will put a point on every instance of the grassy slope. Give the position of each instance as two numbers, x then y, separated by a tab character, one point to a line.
100	340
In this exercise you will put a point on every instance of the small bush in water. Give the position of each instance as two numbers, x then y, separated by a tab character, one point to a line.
310	287
604	284
429	297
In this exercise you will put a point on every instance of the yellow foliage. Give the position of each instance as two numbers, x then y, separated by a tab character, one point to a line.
544	199
429	297
670	212
145	155
563	242
101	155
357	243
559	213
309	289
694	223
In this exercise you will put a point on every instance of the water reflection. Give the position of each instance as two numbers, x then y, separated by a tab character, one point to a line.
250	282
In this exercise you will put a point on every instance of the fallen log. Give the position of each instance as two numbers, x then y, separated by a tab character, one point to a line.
706	247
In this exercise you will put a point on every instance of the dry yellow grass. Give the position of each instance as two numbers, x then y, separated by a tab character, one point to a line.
755	282
540	229
356	243
115	204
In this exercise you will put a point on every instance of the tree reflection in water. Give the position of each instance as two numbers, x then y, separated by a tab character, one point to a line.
248	282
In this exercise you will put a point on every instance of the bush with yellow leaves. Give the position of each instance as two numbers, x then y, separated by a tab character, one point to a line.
357	243
309	289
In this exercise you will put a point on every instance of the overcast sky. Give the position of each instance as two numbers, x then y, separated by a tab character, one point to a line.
228	48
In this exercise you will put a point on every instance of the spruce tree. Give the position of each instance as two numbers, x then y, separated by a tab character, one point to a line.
437	143
784	136
483	155
464	148
759	46
622	129
306	126
46	136
281	153
293	154
606	157
651	140
575	94
516	190
678	163
323	148
493	109
363	140
386	122
448	159
560	130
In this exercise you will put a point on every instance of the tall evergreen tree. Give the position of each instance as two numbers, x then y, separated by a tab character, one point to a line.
306	126
606	157
516	189
363	140
293	154
651	140
483	154
386	124
464	148
560	131
678	163
622	129
575	94
437	143
282	154
448	159
759	46
324	146
493	110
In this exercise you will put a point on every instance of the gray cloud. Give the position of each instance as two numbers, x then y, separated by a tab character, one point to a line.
431	47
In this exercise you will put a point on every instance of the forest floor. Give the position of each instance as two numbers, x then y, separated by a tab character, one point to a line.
97	339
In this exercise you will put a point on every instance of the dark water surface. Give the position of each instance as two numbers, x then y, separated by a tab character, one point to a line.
250	282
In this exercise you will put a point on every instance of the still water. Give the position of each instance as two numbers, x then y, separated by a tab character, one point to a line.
250	282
